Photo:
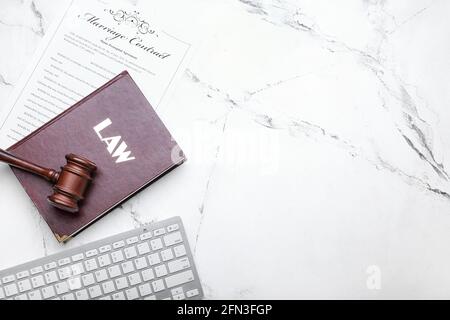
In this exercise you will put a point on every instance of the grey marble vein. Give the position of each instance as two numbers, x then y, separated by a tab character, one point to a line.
414	127
4	82
315	131
40	19
206	191
131	208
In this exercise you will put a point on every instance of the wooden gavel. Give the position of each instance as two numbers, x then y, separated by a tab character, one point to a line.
69	185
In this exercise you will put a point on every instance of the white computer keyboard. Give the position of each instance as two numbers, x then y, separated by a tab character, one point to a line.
153	262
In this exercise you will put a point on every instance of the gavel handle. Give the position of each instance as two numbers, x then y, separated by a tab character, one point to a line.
49	174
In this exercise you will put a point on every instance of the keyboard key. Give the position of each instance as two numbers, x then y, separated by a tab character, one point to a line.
119	244
161	271
117	256
11	290
156	244
146	236
48	292
145	289
21	297
77	269
173	227
36	270
50	265
130	252
167	255
51	277
134	279
63	262
154	259
104	260
148	274
82	295
132	240
114	271
108	287
118	296
105	298
37	281
121	283
178	265
179	278
69	296
101	275
95	291
159	232
127	267
2	294
172	238
8	279
143	248
77	257
192	293
176	291
150	298
132	294
22	275
179	250
141	263
88	279
62	287
24	285
179	297
91	253
104	249
64	273
57	298
35	295
91	264
158	285
74	283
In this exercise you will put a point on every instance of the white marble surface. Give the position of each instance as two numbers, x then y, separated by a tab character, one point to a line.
318	138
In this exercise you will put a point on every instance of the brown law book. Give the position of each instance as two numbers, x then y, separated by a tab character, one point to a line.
115	127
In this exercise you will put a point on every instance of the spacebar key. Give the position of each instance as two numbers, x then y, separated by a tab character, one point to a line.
179	278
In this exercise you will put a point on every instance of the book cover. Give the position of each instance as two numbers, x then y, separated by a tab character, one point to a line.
115	127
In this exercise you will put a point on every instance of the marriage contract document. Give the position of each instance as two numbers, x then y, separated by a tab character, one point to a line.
92	42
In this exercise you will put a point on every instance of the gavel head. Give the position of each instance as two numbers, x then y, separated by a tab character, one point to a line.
71	183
